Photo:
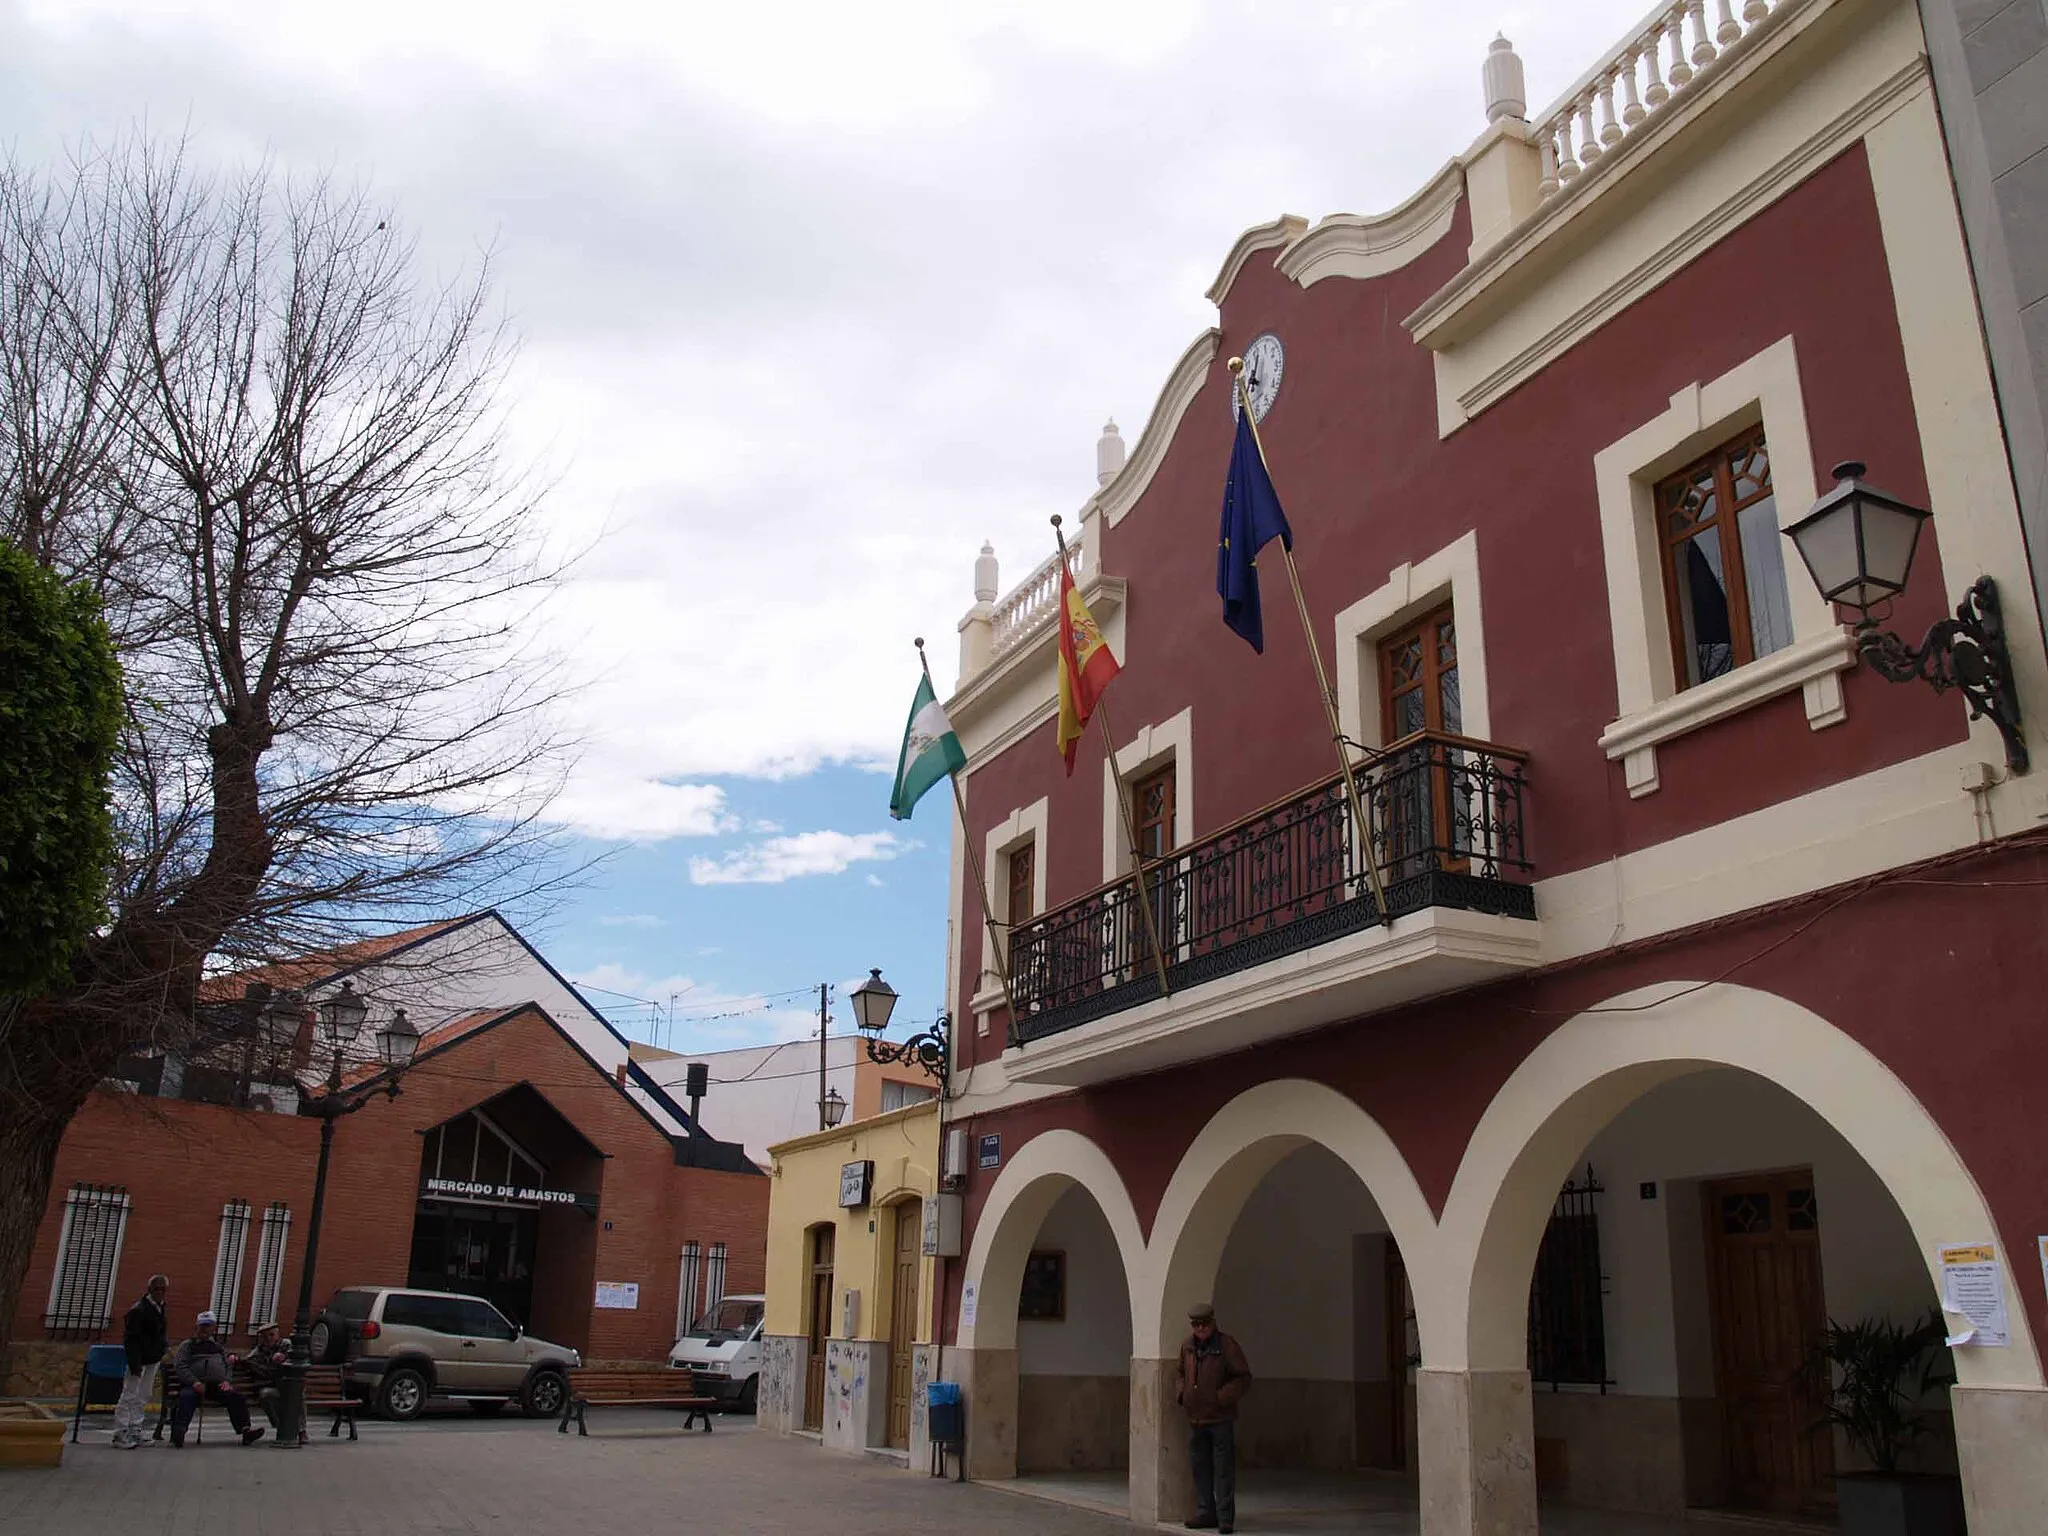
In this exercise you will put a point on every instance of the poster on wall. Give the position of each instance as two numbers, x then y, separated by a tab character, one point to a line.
1973	1286
967	1305
2042	1244
619	1295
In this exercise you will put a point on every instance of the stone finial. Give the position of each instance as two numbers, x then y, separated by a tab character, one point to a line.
1501	75
1109	453
985	588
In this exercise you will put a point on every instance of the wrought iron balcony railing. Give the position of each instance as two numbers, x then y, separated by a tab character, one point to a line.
1447	831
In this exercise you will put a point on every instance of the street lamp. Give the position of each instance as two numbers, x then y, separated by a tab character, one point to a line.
1858	545
873	1001
831	1108
341	1016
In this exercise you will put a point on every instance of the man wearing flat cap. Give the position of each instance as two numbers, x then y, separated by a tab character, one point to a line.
1213	1376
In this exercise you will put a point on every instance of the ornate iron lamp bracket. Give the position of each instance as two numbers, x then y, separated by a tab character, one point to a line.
1966	652
930	1049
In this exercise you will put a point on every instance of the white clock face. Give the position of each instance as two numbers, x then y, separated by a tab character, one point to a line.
1263	361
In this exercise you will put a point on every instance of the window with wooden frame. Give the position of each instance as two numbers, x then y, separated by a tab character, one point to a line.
1419	678
1152	806
1723	560
1043	1295
1419	823
1021	863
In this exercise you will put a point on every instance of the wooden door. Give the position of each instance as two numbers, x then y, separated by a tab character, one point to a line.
903	1319
1419	692
820	1326
1763	1246
1400	1347
1153	810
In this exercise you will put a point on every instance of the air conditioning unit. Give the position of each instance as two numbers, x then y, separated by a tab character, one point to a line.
953	1158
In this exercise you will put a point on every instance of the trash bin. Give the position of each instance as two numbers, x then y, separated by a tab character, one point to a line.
946	1424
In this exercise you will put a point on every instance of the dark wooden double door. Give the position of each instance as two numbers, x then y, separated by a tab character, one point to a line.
1763	1261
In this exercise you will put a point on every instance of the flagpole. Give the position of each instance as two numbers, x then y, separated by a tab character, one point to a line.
1315	654
980	881
1123	803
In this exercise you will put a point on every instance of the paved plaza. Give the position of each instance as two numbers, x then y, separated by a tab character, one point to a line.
638	1470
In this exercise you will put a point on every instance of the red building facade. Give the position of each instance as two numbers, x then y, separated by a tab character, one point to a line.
1705	1014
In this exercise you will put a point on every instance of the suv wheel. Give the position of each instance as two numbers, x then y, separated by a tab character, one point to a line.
327	1342
404	1393
545	1393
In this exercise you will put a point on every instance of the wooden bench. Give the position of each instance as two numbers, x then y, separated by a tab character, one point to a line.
327	1391
664	1388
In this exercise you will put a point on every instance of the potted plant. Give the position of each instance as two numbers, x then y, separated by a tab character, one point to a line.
1878	1376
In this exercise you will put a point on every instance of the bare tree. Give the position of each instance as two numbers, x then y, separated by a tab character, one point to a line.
233	405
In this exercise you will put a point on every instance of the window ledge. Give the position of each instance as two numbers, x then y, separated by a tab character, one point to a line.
1814	665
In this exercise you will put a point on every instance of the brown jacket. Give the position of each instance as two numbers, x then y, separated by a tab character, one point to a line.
1213	1376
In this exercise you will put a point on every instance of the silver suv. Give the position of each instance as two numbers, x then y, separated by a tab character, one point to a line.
404	1347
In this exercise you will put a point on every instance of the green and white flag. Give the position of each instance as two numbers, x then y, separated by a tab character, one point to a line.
930	751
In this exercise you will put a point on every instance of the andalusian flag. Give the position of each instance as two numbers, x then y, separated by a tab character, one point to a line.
930	751
1086	666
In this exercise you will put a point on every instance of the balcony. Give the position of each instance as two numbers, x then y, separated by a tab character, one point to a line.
1272	925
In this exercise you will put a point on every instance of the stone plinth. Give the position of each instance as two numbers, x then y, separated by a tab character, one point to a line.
1162	1487
1999	1435
1477	1444
988	1392
856	1393
779	1399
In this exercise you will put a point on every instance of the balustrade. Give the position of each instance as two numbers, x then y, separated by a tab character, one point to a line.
1032	601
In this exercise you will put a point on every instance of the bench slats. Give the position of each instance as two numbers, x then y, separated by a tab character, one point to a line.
667	1388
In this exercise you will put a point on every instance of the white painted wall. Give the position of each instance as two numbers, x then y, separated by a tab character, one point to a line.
763	1094
1711	1126
1286	1287
1095	1338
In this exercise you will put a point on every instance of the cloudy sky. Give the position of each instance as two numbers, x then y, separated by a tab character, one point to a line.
814	298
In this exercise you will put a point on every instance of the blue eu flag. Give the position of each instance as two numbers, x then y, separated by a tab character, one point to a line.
1251	517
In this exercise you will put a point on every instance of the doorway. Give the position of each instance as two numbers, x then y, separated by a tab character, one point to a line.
1403	1349
1419	692
903	1318
820	1319
478	1251
1769	1310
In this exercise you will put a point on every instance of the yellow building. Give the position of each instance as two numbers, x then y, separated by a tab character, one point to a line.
846	1348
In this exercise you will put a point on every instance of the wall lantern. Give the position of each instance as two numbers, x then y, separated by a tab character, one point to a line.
832	1108
1858	546
873	1001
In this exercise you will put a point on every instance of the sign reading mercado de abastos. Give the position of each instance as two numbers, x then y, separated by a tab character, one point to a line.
484	1192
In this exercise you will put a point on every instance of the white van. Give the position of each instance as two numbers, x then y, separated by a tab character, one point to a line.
725	1346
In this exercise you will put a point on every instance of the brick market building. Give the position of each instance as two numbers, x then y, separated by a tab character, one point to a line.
525	1159
1697	1004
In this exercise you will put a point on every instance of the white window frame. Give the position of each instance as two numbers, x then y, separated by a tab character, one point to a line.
687	1286
1451	575
1653	708
228	1254
82	1195
1025	824
273	1249
1171	739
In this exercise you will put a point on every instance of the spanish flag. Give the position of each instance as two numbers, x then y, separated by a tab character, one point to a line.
1086	666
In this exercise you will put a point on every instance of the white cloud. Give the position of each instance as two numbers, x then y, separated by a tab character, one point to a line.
790	858
877	881
814	297
677	1012
632	920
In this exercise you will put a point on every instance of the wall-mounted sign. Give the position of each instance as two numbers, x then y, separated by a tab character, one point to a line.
941	1226
992	1151
1973	1285
619	1295
484	1192
856	1180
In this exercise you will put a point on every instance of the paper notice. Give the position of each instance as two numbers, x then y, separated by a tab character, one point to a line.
967	1305
1973	1286
2042	1244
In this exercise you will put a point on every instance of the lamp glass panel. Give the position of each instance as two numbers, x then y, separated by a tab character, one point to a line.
1889	535
396	1046
1828	546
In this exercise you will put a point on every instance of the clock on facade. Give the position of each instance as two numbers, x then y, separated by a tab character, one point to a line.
1263	361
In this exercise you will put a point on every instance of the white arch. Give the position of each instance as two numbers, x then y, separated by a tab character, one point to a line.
1034	1178
1223	1165
1597	1063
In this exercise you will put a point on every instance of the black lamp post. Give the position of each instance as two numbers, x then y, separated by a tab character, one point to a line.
873	1001
341	1015
1858	546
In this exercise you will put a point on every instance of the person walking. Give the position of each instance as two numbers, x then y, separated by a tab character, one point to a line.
1213	1377
145	1336
203	1369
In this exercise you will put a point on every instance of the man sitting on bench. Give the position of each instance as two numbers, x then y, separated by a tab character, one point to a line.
265	1365
201	1366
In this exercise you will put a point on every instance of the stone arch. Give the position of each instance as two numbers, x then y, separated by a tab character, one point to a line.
1600	1061
1033	1180
1223	1165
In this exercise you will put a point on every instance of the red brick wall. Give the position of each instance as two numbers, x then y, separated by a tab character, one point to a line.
181	1161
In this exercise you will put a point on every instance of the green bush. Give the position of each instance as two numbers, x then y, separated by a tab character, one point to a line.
60	715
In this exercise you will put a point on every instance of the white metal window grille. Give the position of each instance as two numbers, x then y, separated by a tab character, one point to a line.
270	1251
686	1289
714	1279
88	1258
227	1262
